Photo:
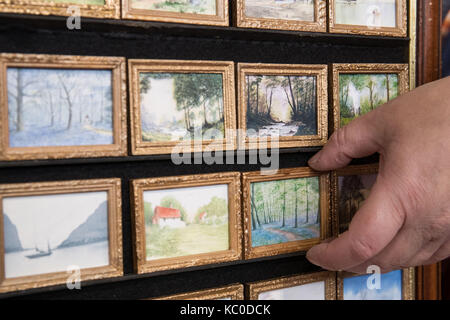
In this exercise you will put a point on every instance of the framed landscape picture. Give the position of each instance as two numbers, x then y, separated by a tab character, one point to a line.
207	12
368	17
394	285
232	292
88	8
51	231
186	221
285	102
305	15
360	88
62	107
313	286
351	187
287	211
181	105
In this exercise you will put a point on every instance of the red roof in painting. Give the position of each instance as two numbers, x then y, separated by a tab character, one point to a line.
162	212
202	215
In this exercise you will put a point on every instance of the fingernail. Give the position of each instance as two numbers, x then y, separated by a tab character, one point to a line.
315	159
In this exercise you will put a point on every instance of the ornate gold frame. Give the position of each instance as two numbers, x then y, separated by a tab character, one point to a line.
110	10
400	69
251	252
226	68
254	289
347	171
115	64
234	291
320	71
408	283
115	267
234	223
398	31
219	19
319	24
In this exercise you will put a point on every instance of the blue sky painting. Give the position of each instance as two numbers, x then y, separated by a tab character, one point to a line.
355	288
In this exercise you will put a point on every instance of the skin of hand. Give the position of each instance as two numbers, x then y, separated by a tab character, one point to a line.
405	221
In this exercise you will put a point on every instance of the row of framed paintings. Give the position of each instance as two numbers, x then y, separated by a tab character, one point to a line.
55	106
179	221
369	17
395	285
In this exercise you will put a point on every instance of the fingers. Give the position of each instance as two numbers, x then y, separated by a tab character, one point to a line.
373	227
360	138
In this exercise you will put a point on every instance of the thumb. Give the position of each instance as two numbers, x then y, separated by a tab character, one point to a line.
360	138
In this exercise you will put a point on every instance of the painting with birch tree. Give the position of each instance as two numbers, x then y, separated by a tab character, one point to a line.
285	210
59	107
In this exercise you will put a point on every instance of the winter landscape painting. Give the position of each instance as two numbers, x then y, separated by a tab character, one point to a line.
370	13
186	221
300	10
308	291
353	191
48	233
360	93
181	6
280	105
284	210
59	107
355	288
181	106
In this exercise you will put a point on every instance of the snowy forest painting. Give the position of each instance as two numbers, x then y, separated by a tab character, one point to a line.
284	210
59	107
181	6
361	93
281	105
181	106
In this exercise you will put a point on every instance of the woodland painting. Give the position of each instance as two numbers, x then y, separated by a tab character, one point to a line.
186	221
353	191
284	210
281	105
181	106
300	10
370	13
59	107
308	291
355	288
361	93
181	6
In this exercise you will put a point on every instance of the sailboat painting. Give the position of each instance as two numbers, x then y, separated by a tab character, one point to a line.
48	233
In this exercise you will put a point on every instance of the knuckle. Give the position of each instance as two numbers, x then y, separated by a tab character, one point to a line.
339	139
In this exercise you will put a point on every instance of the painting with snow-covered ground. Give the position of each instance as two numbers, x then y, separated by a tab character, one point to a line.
281	105
361	93
181	106
59	107
284	210
49	233
355	288
308	291
370	13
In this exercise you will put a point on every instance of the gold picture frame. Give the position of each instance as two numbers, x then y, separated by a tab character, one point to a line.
248	178
321	101
221	18
366	169
400	30
224	68
233	292
114	222
319	24
253	290
62	62
401	70
408	283
234	251
110	10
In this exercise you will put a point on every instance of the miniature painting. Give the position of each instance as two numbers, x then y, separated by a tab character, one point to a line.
308	291
302	10
370	13
181	6
356	288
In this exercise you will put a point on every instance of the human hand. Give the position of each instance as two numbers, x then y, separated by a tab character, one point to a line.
405	221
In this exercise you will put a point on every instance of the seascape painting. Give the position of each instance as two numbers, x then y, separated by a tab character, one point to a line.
207	7
59	107
353	191
181	106
49	233
362	93
186	221
370	13
285	210
308	291
355	288
299	10
281	105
